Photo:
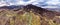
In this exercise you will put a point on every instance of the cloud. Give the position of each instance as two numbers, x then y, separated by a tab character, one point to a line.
40	3
53	2
28	2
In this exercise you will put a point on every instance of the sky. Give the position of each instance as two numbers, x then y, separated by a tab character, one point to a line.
39	3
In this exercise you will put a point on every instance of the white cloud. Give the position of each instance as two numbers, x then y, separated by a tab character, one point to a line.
21	2
48	3
53	2
34	2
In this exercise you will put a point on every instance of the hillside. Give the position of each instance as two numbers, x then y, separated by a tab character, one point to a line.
28	15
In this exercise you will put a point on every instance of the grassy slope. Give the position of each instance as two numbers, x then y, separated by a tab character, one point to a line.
10	17
25	16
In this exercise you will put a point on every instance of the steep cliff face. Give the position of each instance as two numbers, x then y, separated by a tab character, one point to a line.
28	15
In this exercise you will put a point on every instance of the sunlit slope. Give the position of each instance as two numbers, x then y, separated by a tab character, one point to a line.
29	15
10	17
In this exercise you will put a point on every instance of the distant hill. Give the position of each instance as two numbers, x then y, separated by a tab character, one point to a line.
29	8
24	13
